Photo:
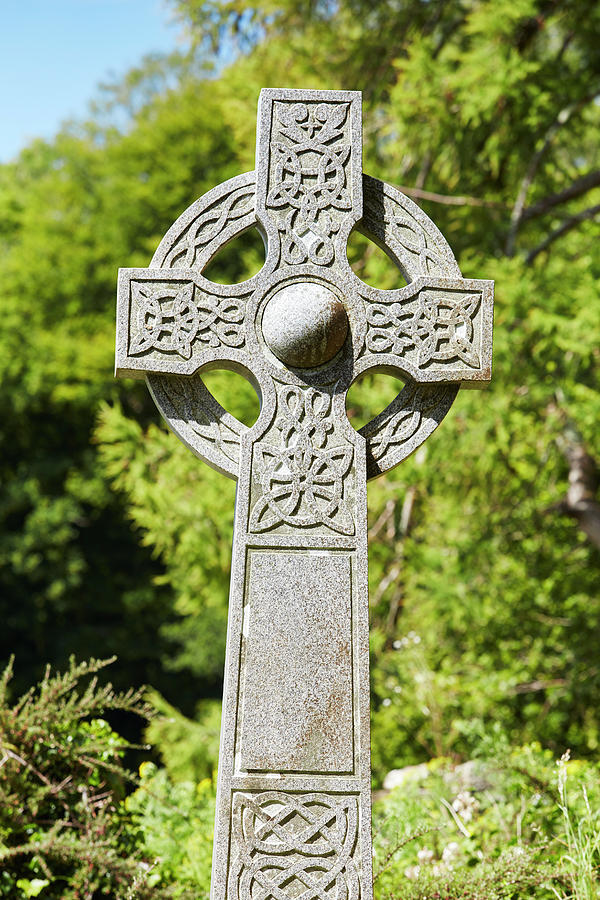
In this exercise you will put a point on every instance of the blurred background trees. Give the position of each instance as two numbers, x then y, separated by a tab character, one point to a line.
485	546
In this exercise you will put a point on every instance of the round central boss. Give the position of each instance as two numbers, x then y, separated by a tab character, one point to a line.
304	324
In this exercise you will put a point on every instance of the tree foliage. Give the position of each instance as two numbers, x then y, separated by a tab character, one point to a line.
484	548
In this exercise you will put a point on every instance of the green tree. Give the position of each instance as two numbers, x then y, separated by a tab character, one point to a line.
485	545
484	558
74	575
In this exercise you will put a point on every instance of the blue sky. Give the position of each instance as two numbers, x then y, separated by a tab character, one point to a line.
53	53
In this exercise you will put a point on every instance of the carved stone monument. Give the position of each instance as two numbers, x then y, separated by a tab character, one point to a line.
293	807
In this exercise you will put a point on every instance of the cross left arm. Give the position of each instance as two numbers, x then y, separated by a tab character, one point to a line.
173	321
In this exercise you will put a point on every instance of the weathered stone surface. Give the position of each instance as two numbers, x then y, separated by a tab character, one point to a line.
293	804
296	695
304	324
399	777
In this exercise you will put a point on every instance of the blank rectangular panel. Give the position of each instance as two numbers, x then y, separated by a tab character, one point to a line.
296	706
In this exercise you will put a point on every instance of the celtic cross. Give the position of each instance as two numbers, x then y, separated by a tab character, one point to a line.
293	803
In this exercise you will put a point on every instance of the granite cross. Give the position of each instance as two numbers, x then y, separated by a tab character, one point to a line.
293	802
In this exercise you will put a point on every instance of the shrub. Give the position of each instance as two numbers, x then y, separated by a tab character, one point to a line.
496	828
64	830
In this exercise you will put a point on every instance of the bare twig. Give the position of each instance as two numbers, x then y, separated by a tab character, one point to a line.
385	582
531	686
386	516
394	536
449	199
423	171
518	212
566	226
407	508
576	189
456	817
10	754
404	528
552	620
580	502
407	840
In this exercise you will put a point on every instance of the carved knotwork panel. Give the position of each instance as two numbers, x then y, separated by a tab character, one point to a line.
309	172
294	845
302	469
438	327
431	328
308	178
170	317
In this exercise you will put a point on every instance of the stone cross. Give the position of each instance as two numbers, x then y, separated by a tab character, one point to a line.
293	817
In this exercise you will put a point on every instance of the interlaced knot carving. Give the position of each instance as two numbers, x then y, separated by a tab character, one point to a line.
440	328
171	317
397	429
205	417
294	847
402	230
208	227
302	479
167	319
308	178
